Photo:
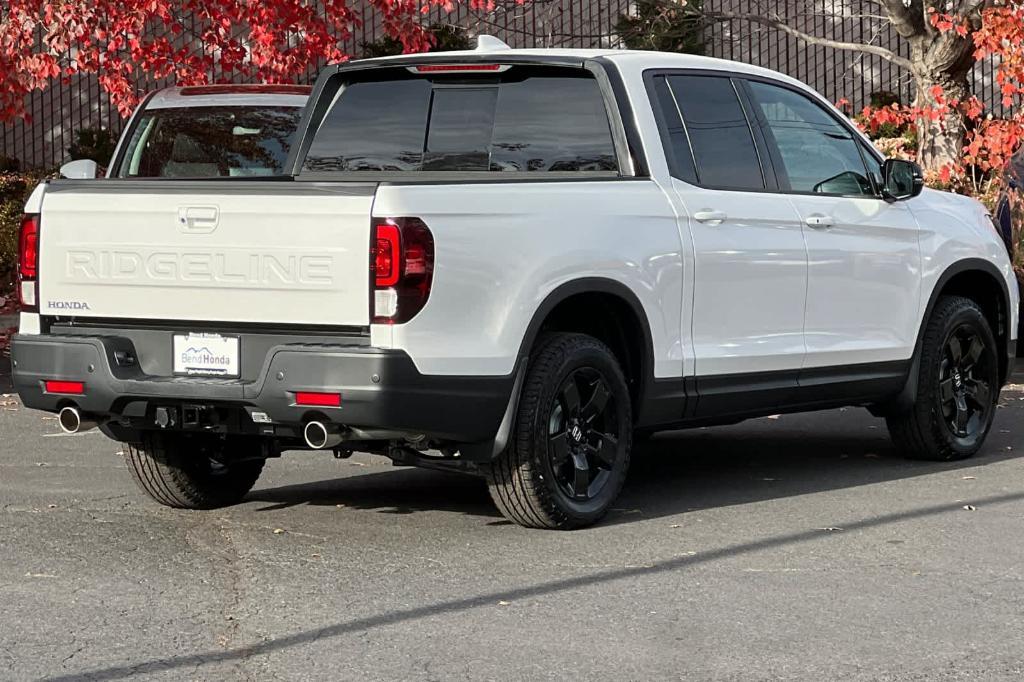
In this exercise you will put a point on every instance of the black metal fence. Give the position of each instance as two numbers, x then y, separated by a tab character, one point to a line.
837	74
58	112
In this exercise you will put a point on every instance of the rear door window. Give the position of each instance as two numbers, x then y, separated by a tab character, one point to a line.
526	120
718	132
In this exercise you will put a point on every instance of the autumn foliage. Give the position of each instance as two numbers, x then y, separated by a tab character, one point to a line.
187	41
989	142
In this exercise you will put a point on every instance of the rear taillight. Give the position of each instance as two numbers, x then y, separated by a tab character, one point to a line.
387	258
402	269
28	262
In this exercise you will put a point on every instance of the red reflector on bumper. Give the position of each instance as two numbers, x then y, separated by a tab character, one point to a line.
318	399
69	387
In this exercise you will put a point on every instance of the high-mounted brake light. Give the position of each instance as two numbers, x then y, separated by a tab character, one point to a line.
460	68
65	387
28	262
402	266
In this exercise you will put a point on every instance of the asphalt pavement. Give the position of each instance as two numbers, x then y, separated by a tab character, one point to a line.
798	547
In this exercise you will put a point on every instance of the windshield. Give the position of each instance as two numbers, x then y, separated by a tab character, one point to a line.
210	142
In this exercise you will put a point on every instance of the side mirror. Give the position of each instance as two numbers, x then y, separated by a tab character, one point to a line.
901	180
82	169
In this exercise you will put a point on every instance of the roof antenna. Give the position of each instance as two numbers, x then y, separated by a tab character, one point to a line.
486	43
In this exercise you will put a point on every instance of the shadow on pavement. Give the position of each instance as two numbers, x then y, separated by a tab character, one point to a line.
672	473
489	599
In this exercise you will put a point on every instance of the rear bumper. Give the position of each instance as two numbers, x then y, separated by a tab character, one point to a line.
380	389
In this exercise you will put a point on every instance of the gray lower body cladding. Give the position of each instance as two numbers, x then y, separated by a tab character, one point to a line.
380	389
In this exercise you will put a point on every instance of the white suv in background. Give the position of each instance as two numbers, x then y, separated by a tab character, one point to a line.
507	262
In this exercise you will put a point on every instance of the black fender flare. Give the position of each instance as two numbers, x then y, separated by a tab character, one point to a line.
907	397
586	285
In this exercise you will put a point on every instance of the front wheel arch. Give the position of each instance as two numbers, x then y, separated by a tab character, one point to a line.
983	283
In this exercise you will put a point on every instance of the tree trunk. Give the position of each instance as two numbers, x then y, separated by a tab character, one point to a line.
943	60
940	140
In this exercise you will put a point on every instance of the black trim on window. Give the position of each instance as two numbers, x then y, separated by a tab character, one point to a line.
762	142
624	119
670	122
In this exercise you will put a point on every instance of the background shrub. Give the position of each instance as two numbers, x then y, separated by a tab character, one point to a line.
14	190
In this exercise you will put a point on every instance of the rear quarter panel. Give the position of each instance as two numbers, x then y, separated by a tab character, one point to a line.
502	248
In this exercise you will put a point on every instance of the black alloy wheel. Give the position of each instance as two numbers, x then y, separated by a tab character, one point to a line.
584	433
965	394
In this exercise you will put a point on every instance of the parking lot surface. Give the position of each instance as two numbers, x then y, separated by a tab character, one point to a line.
797	547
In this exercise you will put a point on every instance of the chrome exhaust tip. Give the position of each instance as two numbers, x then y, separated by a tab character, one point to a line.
71	421
319	437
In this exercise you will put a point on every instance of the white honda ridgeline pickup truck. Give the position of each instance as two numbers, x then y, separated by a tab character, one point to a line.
510	263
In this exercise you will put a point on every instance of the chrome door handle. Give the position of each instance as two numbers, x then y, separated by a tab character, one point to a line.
820	221
710	217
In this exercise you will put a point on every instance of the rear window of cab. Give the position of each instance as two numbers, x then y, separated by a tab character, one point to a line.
210	142
525	119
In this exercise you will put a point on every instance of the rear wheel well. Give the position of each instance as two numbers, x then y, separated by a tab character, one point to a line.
610	319
985	290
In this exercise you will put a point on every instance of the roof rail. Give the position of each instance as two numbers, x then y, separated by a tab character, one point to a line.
486	43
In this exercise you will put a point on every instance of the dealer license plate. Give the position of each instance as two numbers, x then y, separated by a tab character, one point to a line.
206	354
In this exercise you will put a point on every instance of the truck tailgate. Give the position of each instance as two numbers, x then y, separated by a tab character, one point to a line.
236	251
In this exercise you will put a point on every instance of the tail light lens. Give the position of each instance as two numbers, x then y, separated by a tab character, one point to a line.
387	260
28	262
402	266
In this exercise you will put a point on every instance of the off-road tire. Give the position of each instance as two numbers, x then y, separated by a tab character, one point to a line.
922	432
522	480
197	472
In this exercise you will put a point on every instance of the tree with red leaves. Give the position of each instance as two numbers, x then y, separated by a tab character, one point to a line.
984	143
944	39
46	41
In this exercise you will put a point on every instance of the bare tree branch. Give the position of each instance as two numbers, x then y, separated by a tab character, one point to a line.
908	18
779	24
